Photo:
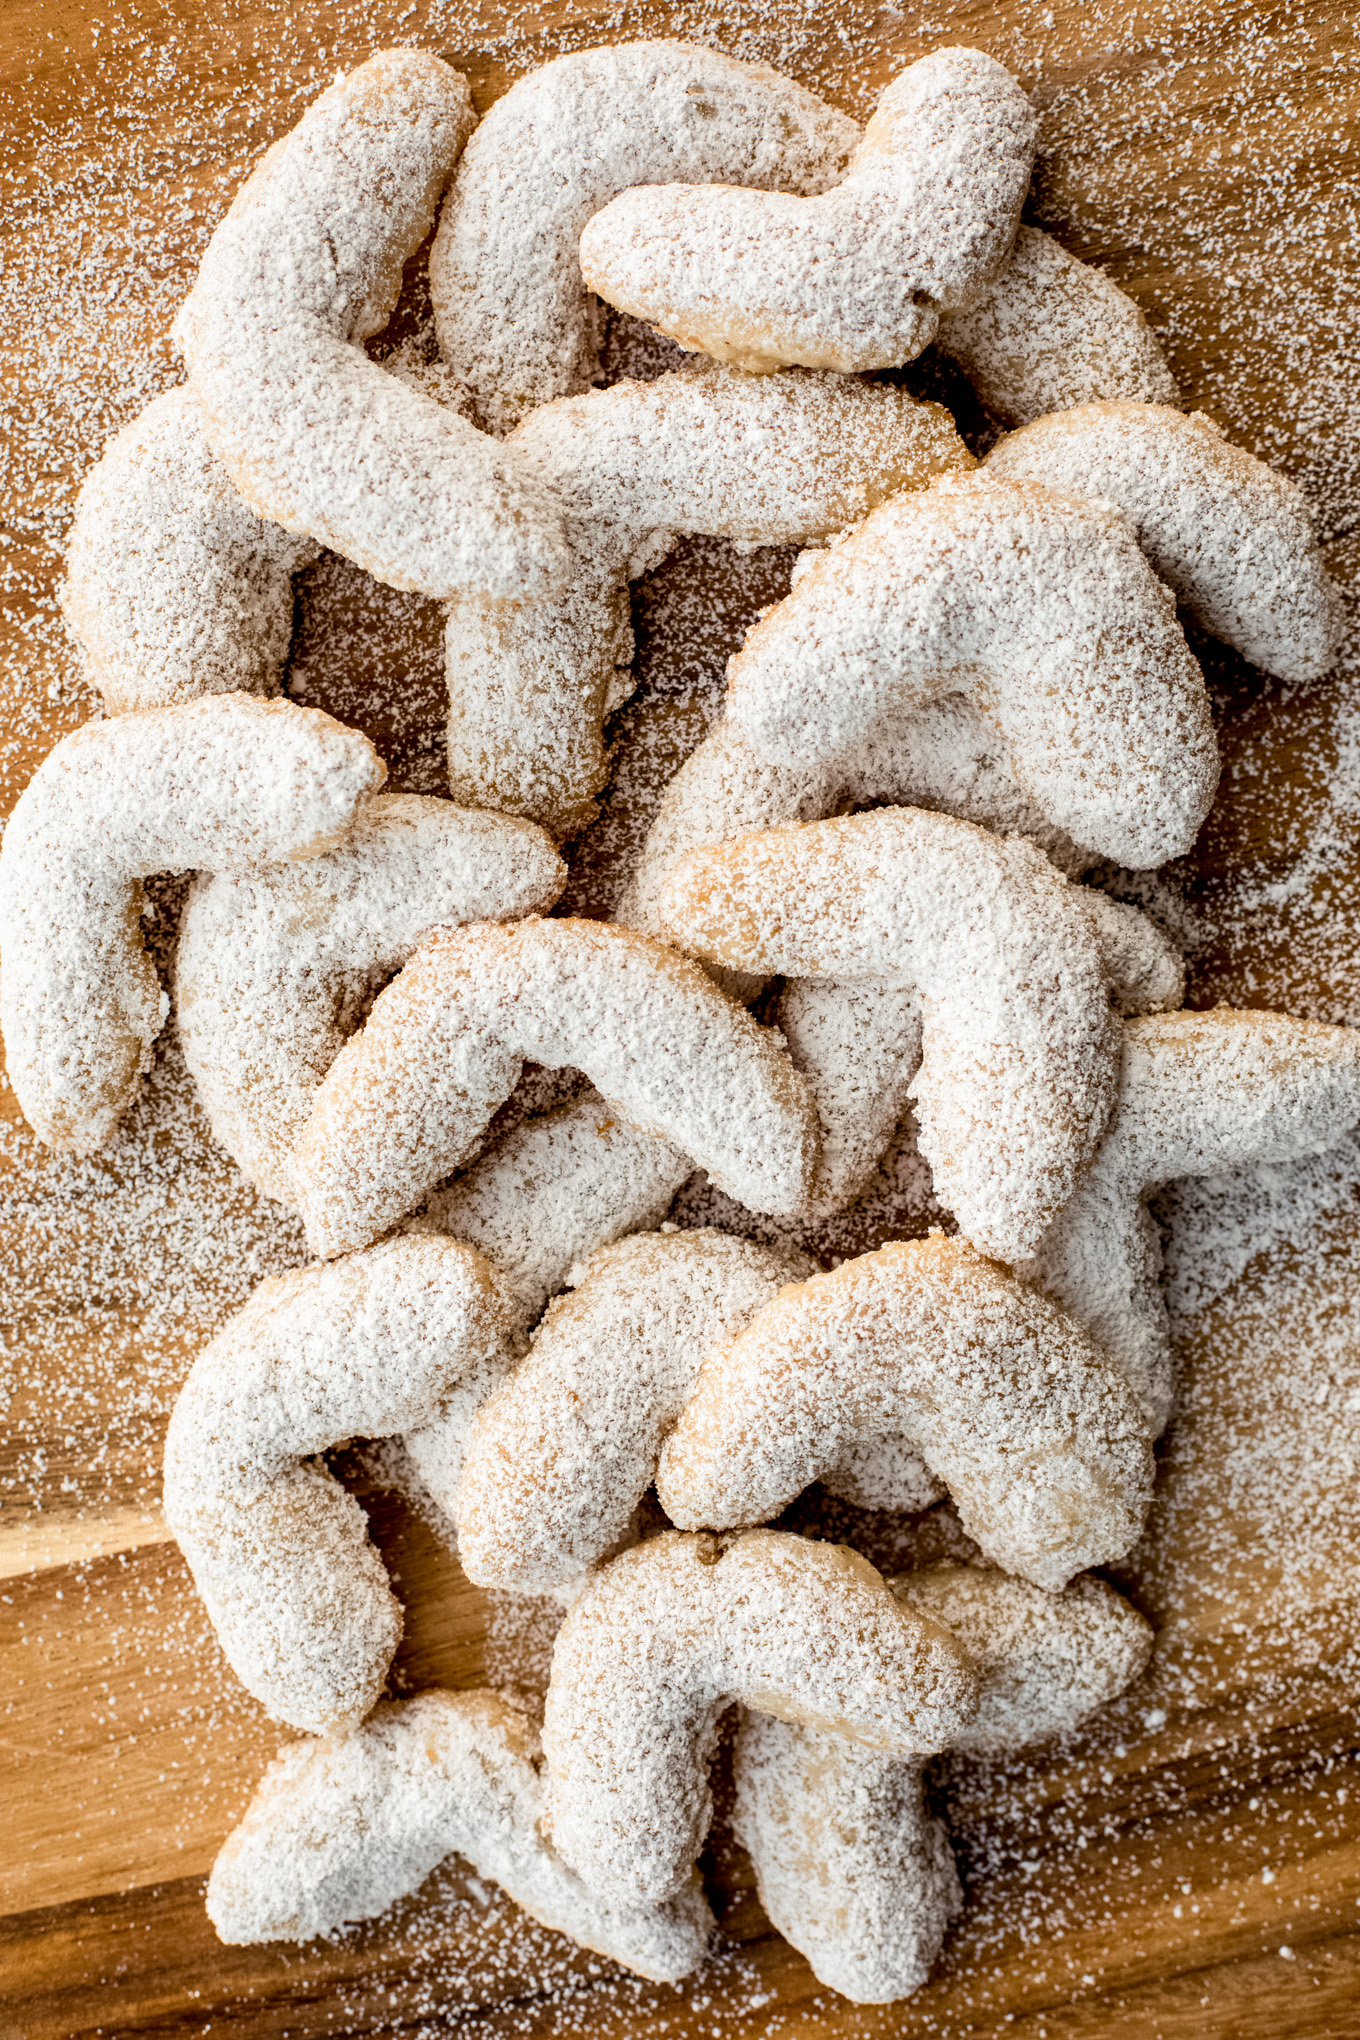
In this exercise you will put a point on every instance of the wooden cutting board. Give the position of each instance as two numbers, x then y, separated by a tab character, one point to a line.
1190	1864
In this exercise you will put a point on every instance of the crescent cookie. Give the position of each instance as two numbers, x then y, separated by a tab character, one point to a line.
228	783
1199	1093
772	461
274	968
305	267
1229	535
1040	608
661	1642
405	1101
1019	1045
1050	332
515	321
857	277
407	1338
338	1830
850	1867
1036	1435
174	587
554	1190
565	1450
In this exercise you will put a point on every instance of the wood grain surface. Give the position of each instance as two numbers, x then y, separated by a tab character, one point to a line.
1189	1864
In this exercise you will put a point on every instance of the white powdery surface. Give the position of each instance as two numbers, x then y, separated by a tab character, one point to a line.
856	278
1038	606
174	587
1036	1434
515	320
1232	538
275	969
406	1099
338	1830
563	1453
406	1337
229	783
308	265
672	1632
1019	1043
708	452
1051	332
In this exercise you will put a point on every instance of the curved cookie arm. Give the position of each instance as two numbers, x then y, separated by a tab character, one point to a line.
557	1188
226	783
274	967
670	1633
1051	332
1229	535
1037	1437
1018	1071
1199	1093
174	587
405	1100
279	1551
706	452
515	320
1041	609
854	279
850	1867
565	1450
339	1830
306	266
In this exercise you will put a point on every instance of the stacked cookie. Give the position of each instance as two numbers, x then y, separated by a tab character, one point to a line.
977	687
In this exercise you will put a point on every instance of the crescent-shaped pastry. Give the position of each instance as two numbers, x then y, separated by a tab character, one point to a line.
1229	535
1040	608
406	1099
1199	1093
673	1631
850	1867
226	783
305	267
407	1338
565	1450
1037	1436
338	1830
174	587
857	277
1051	332
1019	1043
711	452
274	968
515	321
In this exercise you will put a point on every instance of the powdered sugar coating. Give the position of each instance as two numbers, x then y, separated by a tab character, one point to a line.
275	968
850	1867
515	320
555	1189
1199	1093
226	783
856	278
672	1632
305	267
1051	332
338	1830
174	587
1034	1432
1019	1044
371	1347
774	461
1041	608
1233	538
406	1099
566	1449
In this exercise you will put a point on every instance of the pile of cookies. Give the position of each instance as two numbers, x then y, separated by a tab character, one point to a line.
978	687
